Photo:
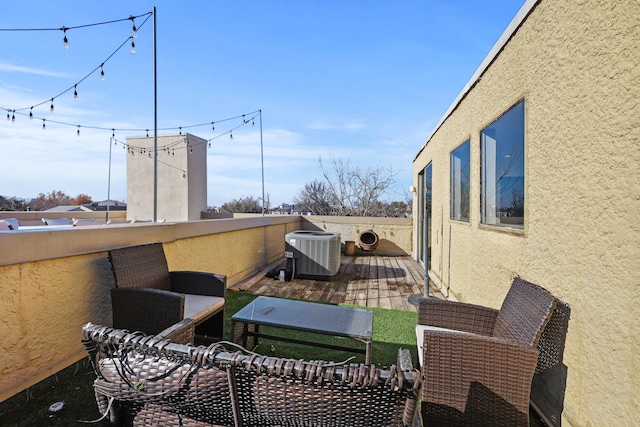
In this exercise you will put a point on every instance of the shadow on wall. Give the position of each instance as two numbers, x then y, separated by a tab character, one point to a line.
384	246
99	294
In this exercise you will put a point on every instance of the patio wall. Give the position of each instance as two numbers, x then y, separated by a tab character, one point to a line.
54	281
394	234
576	65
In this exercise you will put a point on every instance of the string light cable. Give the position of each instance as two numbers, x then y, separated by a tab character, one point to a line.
131	149
170	148
74	87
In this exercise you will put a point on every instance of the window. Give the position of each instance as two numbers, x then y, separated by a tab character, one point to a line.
502	170
460	172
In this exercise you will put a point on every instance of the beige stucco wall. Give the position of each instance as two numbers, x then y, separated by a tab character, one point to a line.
577	65
53	282
181	178
394	234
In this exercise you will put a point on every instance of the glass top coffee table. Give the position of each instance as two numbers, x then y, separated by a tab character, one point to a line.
325	319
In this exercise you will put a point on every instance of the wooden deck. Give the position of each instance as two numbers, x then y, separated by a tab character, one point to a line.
366	280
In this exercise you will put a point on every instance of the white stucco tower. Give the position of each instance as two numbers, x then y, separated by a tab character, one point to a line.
181	178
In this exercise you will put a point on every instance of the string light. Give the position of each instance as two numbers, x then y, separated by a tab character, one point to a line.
78	133
134	30
133	47
65	41
74	87
31	114
43	125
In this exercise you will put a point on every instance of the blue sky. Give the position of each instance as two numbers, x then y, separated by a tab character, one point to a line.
361	81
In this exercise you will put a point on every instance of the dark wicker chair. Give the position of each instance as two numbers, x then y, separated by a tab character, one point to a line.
481	366
146	381
150	298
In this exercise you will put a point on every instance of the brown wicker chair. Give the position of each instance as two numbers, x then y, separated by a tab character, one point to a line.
150	298
478	363
146	381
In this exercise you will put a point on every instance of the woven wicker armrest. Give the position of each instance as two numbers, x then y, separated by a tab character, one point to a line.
182	332
457	316
145	309
198	283
483	378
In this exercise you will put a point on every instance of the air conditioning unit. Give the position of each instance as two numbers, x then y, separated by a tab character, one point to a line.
313	254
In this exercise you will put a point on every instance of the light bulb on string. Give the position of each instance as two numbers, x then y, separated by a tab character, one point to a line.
13	116
51	108
43	125
8	115
209	144
213	127
230	135
75	92
134	30
133	47
65	41
31	113
253	123
101	72
78	132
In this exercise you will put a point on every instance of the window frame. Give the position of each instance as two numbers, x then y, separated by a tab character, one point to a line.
505	134
459	197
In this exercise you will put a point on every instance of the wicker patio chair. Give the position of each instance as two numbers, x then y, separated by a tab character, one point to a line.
146	381
150	298
478	363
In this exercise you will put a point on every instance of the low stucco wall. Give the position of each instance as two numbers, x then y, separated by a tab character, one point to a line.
54	281
394	234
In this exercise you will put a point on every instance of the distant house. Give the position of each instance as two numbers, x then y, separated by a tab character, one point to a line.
113	205
69	209
534	171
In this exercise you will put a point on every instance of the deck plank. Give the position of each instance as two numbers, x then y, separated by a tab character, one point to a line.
368	280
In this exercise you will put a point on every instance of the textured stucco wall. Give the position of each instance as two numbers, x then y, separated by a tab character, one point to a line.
53	282
181	178
577	65
394	234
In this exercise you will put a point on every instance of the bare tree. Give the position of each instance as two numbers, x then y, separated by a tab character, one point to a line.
315	198
348	191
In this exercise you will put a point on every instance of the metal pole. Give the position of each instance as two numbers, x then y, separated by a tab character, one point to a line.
109	181
155	123
262	160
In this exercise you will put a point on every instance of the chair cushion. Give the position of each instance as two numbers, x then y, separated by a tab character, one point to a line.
199	307
420	337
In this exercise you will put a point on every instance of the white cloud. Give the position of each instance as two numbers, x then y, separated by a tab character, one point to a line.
10	68
352	125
